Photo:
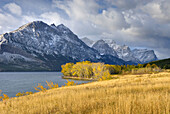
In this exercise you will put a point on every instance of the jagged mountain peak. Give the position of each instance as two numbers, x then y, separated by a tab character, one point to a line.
126	47
103	48
62	25
109	41
88	41
41	41
109	46
101	41
53	25
32	26
144	55
51	45
34	23
63	28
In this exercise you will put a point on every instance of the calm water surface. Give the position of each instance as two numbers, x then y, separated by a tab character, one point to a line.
14	82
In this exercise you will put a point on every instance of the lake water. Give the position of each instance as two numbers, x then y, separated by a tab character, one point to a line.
14	82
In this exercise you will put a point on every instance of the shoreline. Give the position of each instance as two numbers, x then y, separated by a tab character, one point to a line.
78	78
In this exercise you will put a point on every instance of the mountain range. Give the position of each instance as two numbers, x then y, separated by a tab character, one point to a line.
37	46
109	46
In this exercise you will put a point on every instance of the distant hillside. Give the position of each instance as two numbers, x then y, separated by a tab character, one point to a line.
165	63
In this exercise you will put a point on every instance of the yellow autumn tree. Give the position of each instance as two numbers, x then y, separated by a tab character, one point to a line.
140	65
110	68
100	70
154	66
66	69
148	65
78	70
87	69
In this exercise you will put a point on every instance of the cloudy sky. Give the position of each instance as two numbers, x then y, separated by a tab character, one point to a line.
136	23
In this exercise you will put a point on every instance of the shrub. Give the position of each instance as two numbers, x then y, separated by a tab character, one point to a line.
70	83
51	85
40	88
4	97
106	76
23	93
148	65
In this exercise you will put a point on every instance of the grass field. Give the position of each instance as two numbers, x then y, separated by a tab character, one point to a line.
126	94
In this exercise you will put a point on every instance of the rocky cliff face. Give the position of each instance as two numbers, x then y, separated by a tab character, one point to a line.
109	46
39	46
38	37
103	48
144	55
48	45
123	52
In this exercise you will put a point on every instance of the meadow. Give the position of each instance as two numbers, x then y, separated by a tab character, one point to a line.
124	94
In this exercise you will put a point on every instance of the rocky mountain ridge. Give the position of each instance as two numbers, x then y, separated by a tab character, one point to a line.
38	46
109	46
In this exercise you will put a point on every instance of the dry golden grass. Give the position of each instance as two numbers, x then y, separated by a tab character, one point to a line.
128	94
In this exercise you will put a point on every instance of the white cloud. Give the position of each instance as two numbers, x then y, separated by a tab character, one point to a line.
86	20
13	8
159	10
110	20
78	9
137	23
52	17
8	22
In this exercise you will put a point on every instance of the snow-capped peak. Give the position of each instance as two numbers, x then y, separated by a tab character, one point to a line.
109	41
144	55
103	48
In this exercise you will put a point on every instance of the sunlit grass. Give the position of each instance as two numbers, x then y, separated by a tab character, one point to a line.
125	94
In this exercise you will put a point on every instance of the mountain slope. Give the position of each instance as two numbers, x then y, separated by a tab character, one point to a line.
39	46
144	55
44	45
122	51
103	48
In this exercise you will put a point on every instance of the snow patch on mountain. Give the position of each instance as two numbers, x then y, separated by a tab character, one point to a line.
8	57
122	51
48	43
103	48
144	55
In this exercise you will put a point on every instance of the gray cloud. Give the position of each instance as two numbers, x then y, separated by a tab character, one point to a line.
137	23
